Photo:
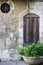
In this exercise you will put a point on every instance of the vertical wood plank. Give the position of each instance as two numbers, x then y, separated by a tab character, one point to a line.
31	29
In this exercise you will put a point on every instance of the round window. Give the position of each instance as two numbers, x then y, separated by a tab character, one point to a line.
5	7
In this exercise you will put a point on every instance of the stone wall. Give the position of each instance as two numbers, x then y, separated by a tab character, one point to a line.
8	31
37	8
9	26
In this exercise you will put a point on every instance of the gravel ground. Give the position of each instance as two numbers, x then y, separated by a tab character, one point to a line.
13	63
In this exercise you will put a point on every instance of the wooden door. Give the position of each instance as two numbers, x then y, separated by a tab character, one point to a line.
31	30
26	30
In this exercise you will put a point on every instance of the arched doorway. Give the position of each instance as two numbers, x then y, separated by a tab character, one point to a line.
31	28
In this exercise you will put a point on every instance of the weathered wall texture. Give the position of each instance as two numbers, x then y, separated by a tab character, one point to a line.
37	8
9	26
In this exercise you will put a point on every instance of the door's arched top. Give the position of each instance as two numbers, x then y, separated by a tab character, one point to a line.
31	15
31	29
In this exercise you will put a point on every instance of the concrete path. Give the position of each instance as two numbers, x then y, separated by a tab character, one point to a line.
13	63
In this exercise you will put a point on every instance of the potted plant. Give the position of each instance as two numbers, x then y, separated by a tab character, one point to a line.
32	54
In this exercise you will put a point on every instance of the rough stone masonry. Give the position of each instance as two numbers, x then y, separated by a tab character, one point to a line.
9	26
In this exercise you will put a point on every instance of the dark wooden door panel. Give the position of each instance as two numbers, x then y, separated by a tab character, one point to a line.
37	29
26	31
31	30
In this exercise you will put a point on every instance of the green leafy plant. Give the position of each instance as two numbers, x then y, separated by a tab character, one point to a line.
33	50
